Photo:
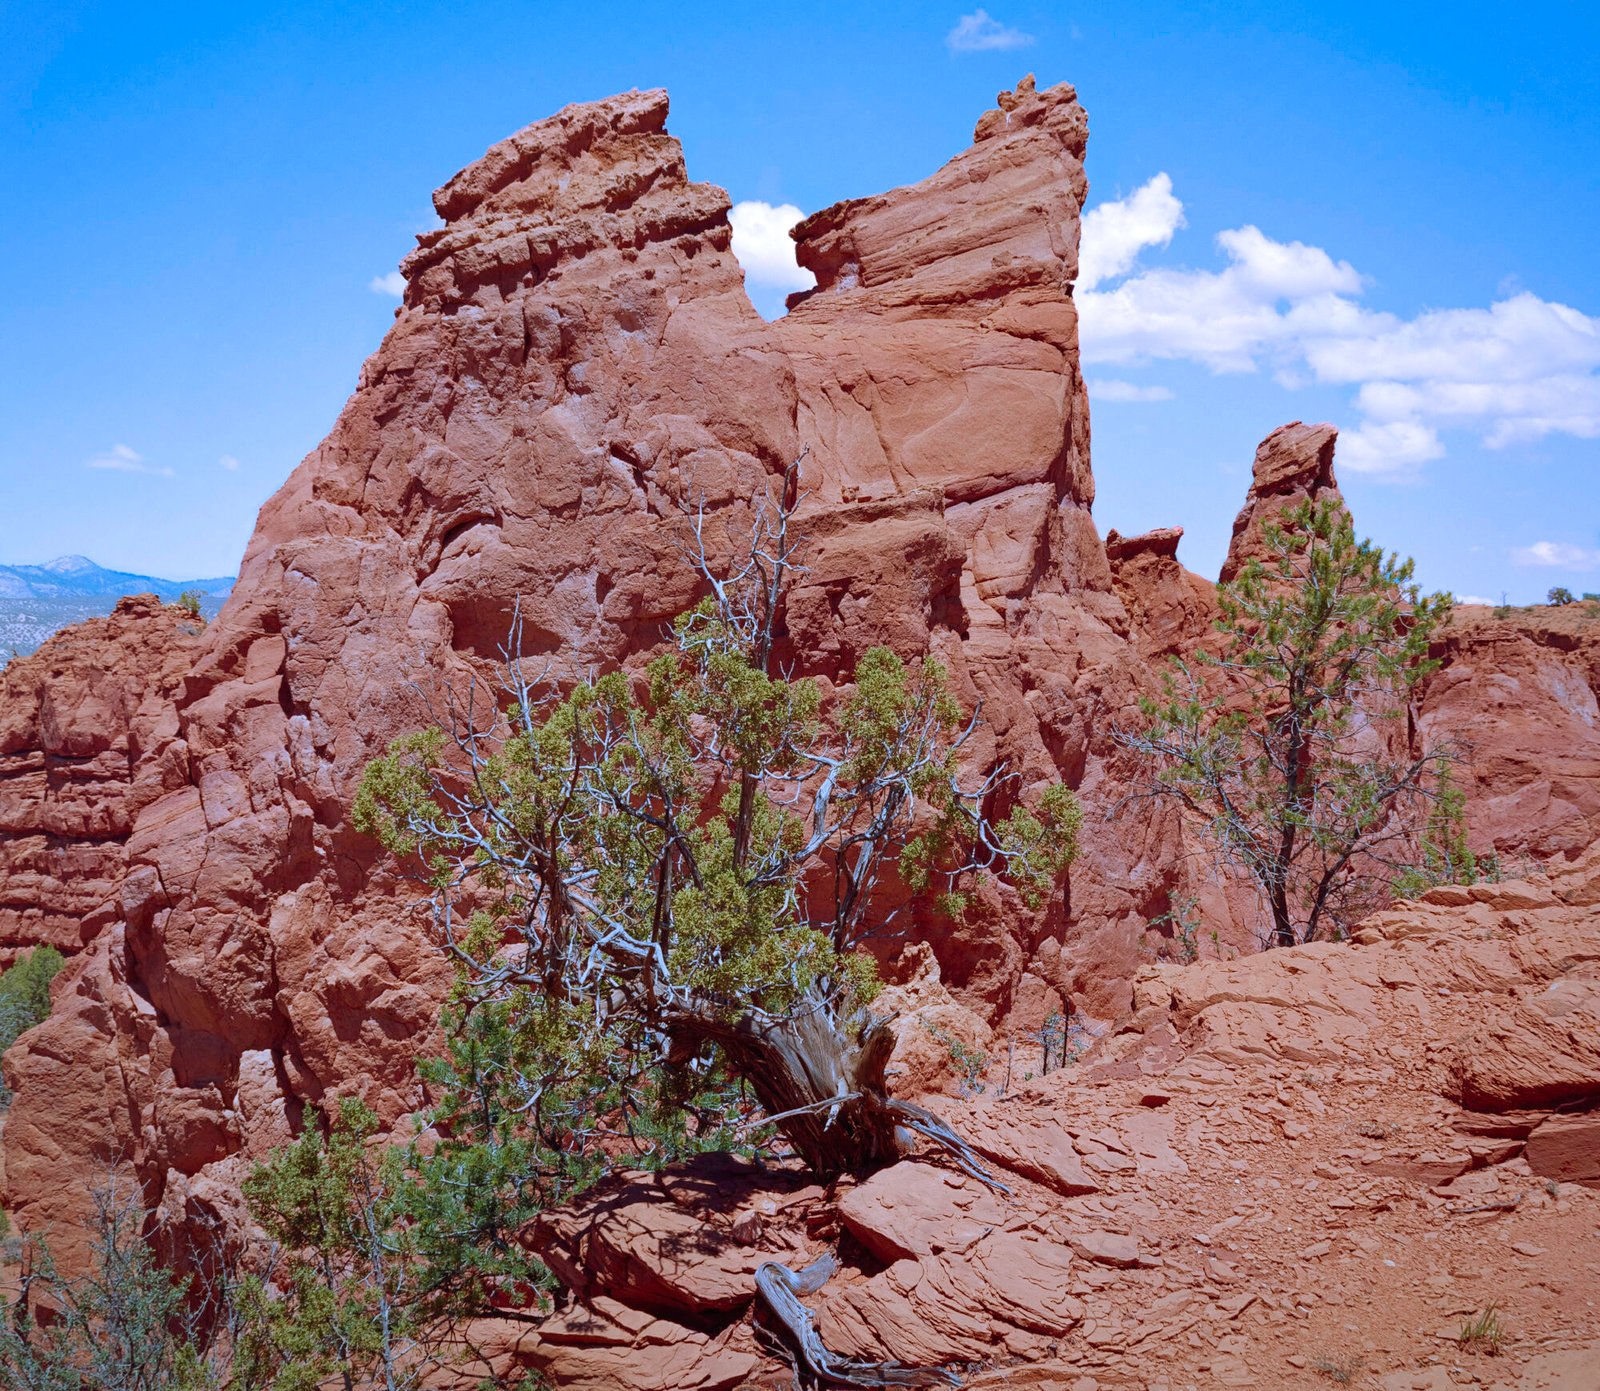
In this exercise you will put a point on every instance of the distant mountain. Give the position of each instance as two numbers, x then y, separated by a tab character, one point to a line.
38	600
78	577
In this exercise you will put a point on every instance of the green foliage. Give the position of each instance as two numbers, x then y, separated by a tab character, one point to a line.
1288	744
127	1325
25	996
1182	921
655	886
1485	1332
1560	595
1443	855
189	601
344	1300
970	1063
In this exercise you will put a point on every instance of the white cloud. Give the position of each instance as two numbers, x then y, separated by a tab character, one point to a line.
228	462
121	459
1115	233
1394	447
392	284
1127	391
1472	599
762	243
1516	371
1557	555
979	32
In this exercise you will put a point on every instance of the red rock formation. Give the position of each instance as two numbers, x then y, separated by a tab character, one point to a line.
574	357
88	739
1170	607
1520	697
1294	464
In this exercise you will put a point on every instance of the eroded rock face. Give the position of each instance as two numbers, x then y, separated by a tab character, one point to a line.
1294	464
88	739
1520	698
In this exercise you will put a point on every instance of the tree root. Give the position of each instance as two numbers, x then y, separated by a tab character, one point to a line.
931	1128
781	1289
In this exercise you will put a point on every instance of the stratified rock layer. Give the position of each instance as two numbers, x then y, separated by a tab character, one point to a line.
1335	1153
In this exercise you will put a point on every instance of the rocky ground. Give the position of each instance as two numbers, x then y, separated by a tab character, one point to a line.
1303	1168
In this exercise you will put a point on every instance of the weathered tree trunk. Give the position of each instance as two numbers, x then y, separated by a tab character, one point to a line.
1282	925
821	1078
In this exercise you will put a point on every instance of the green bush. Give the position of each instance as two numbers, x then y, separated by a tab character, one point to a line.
127	1324
1560	596
25	997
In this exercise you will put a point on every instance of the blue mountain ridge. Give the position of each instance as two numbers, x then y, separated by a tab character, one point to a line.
77	577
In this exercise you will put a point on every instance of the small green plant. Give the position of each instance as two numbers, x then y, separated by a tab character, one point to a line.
1483	1333
1182	921
1341	1369
1589	598
25	997
970	1063
128	1324
1443	856
1053	1042
345	1304
189	602
1560	596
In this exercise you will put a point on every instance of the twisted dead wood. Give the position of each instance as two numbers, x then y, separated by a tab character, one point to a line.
781	1289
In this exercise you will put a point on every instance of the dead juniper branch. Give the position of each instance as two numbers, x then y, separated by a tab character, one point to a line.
781	1289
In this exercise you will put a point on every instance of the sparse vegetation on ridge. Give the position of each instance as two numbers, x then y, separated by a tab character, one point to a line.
1285	747
25	997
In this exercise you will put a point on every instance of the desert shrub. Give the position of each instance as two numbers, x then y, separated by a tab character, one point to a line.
1560	596
189	601
1485	1332
25	997
342	1301
126	1325
1443	855
1275	745
1180	925
656	881
970	1063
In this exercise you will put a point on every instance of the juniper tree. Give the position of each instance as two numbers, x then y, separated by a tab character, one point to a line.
1291	745
125	1324
342	1303
655	877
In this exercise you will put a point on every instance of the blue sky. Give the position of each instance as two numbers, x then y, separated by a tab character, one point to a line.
201	197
